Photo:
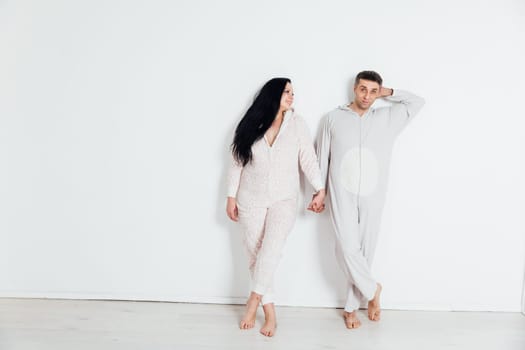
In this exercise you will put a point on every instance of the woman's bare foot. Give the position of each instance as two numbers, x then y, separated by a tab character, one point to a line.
374	307
248	321
351	320
270	321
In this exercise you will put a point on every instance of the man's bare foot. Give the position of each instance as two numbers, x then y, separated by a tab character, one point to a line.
351	320
270	321
374	307
248	321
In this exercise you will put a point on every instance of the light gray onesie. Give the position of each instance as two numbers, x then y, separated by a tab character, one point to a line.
354	155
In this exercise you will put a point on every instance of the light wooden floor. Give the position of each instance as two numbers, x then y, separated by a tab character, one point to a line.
73	325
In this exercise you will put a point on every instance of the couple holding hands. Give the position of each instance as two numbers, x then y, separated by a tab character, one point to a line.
349	164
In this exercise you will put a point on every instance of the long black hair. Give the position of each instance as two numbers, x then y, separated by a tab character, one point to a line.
258	119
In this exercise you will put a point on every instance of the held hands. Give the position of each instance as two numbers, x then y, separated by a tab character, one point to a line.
231	209
317	203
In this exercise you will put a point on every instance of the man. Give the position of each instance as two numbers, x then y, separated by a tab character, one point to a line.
354	148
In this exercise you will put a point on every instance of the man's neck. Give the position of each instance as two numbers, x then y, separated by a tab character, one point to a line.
353	106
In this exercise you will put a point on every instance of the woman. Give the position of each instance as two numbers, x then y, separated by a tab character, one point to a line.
271	143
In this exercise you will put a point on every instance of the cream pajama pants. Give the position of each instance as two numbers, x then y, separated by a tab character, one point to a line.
265	231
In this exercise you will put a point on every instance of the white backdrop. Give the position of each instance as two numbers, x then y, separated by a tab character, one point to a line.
116	117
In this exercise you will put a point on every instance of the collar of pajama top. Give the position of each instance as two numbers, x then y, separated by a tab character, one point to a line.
286	119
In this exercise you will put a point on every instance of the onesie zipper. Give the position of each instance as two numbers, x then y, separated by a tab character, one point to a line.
360	173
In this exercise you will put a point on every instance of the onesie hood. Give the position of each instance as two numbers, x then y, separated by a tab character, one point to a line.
348	109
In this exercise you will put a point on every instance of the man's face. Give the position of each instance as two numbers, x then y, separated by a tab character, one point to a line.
366	92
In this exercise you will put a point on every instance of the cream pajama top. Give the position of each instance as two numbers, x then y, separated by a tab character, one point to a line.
273	173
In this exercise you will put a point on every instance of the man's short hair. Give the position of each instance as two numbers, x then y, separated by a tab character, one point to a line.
369	75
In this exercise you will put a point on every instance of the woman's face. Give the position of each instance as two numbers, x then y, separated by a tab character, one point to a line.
287	97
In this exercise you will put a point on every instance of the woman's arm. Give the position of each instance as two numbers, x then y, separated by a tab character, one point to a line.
323	146
234	178
307	157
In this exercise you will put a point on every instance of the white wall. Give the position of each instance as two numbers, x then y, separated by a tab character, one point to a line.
116	116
